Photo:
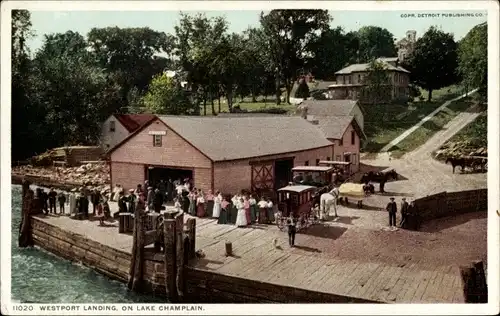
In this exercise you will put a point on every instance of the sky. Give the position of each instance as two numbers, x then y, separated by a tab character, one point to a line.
397	22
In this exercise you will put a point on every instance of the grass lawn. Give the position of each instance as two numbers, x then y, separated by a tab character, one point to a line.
429	128
382	130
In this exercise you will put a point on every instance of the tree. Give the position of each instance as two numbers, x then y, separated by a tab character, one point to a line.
69	87
473	59
302	90
375	42
25	116
377	89
332	51
289	33
166	96
129	56
433	63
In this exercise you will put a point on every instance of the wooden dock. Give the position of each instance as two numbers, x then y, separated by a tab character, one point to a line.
256	259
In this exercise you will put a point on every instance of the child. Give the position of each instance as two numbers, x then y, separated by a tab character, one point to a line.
292	230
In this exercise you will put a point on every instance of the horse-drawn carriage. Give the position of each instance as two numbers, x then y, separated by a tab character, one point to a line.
296	201
319	177
341	170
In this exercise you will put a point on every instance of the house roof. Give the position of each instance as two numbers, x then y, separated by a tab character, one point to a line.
133	122
329	107
321	85
335	126
232	138
365	67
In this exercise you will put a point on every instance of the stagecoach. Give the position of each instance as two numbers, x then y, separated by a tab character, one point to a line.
319	177
297	201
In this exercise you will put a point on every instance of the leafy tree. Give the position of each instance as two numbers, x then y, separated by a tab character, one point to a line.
473	59
166	96
377	89
302	90
69	87
433	63
331	51
25	116
289	33
375	42
129	56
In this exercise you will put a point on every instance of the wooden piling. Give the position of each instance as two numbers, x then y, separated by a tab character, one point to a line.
229	248
136	271
474	283
169	225
191	233
25	238
179	234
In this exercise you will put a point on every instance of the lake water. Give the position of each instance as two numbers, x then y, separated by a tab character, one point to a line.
40	277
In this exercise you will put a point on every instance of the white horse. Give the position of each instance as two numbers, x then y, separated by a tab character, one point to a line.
327	200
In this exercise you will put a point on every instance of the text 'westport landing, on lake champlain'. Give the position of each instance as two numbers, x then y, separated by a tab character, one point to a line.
443	15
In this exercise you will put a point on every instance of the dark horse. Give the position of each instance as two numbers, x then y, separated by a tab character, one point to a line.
379	177
459	162
463	162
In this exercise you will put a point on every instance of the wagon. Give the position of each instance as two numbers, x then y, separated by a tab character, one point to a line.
352	191
296	201
341	168
319	177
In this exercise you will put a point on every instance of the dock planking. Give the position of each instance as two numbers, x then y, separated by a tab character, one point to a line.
255	257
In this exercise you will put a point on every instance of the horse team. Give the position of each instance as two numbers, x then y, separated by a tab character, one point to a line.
472	162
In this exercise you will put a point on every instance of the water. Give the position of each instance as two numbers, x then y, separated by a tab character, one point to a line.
40	277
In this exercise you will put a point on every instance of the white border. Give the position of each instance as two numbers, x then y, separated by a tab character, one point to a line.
289	309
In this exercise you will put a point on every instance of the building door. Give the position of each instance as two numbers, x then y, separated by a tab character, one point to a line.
262	176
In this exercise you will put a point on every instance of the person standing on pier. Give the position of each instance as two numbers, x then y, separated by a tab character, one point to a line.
392	208
270	210
246	205
217	205
72	202
292	230
158	201
122	203
150	198
200	205
253	209
95	198
131	199
241	217
61	199
404	213
224	210
170	189
52	200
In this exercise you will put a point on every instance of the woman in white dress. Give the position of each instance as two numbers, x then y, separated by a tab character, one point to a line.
72	202
217	205
241	218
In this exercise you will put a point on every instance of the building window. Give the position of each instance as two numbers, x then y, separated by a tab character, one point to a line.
353	159
306	163
359	78
112	126
328	158
349	79
343	79
353	137
317	162
341	141
338	158
157	140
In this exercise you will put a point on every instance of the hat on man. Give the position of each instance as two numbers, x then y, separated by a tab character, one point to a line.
404	199
131	190
392	199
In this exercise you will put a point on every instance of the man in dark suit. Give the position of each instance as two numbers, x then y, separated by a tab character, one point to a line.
392	208
404	213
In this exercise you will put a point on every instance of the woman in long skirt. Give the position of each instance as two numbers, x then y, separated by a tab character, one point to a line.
210	203
246	205
200	205
262	211
225	205
192	204
253	209
217	205
270	211
241	219
234	209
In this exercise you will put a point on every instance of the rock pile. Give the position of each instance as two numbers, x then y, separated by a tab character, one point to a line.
92	175
460	148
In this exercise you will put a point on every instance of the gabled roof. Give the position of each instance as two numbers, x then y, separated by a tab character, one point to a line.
133	122
329	107
334	127
365	67
232	138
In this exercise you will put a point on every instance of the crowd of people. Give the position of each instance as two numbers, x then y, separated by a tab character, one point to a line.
409	215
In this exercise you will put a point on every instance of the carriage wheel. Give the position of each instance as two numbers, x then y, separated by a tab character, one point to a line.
346	201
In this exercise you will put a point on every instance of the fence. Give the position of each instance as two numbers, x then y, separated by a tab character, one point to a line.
451	203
